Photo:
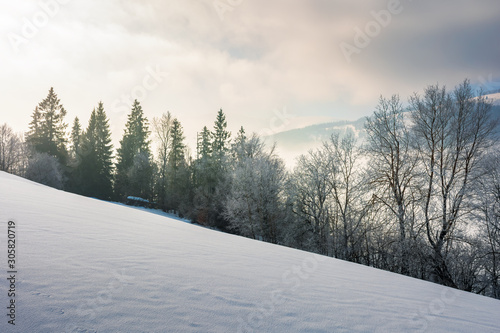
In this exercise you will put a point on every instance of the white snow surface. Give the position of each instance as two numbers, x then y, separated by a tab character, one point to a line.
494	98
85	265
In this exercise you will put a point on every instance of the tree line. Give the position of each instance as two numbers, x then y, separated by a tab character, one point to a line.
421	197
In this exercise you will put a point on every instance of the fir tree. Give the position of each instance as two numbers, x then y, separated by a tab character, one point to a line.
178	179
176	156
238	147
210	173
76	136
104	150
134	157
204	144
221	138
47	132
74	183
220	147
241	137
34	135
87	157
203	179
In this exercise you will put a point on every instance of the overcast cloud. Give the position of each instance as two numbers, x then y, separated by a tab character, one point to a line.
254	58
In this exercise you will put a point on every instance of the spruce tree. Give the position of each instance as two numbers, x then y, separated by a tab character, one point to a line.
87	156
204	144
47	132
73	183
221	138
203	175
76	136
95	166
178	173
34	136
220	153
241	136
176	156
238	147
104	151
210	173
134	157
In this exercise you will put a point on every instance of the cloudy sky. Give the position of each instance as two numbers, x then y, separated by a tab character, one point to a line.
270	65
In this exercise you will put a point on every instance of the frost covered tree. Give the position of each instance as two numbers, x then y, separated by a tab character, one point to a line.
329	200
140	176
254	205
487	209
45	169
392	168
134	154
311	197
350	204
453	131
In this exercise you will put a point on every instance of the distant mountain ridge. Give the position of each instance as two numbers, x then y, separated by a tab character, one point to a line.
292	143
313	135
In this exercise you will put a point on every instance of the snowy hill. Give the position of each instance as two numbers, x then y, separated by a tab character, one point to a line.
494	98
84	265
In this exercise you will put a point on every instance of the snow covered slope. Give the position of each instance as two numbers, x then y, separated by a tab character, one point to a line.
85	265
494	98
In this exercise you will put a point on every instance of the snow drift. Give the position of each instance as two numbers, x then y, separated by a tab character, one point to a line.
85	265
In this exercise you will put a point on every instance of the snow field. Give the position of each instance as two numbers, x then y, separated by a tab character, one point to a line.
86	265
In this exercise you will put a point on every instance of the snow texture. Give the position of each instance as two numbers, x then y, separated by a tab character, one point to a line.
86	265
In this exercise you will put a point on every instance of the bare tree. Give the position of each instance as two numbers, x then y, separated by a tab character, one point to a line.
452	132
488	210
329	201
348	198
392	165
162	128
311	193
11	150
